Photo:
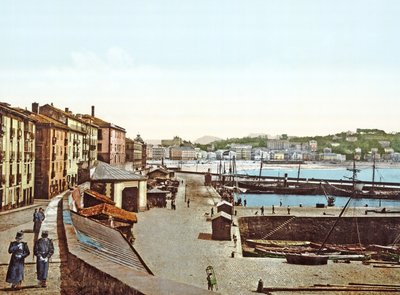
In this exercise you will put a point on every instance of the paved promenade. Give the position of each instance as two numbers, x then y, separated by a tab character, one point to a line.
168	240
21	219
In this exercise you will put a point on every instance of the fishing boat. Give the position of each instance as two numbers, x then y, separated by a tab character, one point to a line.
306	258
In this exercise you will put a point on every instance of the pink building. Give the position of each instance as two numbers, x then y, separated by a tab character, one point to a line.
110	140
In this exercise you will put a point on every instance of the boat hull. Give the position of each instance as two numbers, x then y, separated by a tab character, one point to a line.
306	259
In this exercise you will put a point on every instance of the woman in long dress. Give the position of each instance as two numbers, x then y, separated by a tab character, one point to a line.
18	250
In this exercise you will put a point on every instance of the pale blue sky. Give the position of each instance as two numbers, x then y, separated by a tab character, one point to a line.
223	68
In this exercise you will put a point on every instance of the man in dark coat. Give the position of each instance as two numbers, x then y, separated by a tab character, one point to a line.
38	218
43	250
18	250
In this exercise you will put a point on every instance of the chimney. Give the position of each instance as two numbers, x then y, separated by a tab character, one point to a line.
92	111
35	108
67	110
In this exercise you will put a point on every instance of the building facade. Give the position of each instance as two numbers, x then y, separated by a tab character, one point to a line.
182	153
136	152
17	158
110	140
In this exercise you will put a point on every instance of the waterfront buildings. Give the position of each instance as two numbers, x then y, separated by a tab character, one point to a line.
17	158
110	140
76	141
243	152
136	152
182	153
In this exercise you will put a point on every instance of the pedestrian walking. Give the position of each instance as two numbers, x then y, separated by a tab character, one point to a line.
38	217
43	250
245	202
262	210
235	240
273	209
188	203
18	250
288	210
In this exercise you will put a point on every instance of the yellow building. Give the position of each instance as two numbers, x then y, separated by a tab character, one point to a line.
17	158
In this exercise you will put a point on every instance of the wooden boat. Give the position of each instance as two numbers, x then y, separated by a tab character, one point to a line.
255	188
306	259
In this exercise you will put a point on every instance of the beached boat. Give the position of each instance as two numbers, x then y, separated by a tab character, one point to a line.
306	258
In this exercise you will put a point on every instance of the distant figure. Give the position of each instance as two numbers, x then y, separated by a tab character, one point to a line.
18	250
38	217
301	205
110	221
245	202
262	210
273	209
280	203
288	210
188	203
255	213
212	211
209	282
235	240
43	250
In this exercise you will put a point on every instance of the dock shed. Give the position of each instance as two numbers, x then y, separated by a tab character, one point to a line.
221	226
225	206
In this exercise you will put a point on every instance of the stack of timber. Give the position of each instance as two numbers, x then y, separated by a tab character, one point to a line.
354	288
283	248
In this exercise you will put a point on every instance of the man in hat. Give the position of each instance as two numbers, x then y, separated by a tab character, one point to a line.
43	250
18	250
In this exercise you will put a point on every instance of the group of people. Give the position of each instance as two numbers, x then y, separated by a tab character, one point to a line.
43	250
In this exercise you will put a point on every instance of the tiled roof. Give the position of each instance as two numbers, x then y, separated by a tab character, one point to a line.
109	210
101	123
104	171
47	120
99	197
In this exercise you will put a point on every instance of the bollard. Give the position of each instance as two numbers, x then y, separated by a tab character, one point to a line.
260	286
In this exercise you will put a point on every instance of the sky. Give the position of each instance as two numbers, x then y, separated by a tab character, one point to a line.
225	68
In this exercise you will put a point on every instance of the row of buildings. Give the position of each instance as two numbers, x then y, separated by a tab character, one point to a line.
276	150
46	150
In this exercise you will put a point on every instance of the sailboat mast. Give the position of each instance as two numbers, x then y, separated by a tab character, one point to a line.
334	225
373	173
298	173
261	166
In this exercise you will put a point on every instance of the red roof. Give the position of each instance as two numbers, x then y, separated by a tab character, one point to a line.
109	210
99	197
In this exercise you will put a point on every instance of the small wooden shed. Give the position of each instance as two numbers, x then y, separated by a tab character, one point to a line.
221	226
225	206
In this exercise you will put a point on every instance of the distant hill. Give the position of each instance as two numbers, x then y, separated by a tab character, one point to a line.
207	139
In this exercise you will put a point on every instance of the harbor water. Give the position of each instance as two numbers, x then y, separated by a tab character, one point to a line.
365	174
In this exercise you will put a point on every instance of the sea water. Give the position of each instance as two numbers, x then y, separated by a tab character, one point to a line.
365	174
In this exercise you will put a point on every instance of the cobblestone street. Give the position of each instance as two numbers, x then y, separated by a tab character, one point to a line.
21	219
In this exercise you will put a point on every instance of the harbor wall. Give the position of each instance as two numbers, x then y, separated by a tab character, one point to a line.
348	230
